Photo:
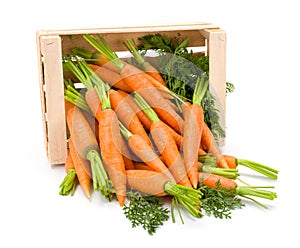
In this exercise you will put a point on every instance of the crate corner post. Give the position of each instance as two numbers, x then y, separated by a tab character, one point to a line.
216	50
52	97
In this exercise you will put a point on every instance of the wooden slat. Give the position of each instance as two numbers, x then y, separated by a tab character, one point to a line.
42	92
131	29
54	97
116	39
217	71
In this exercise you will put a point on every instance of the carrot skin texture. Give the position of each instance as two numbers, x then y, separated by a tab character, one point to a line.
169	151
140	114
111	77
210	180
105	62
231	161
141	166
137	81
146	181
93	102
152	71
81	166
111	151
193	126
82	135
126	115
69	162
210	145
145	152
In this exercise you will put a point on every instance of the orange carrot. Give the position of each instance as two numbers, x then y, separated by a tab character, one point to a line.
93	101
210	145
169	151
144	151
69	183
127	156
138	111
110	142
112	78
155	183
147	67
147	181
141	166
210	180
81	166
165	144
233	162
219	182
139	81
126	115
86	146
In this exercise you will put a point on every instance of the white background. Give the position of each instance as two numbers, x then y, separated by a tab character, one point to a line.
262	125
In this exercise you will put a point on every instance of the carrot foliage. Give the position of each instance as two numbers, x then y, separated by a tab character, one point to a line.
219	202
145	211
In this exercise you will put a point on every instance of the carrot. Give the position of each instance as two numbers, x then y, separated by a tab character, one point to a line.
69	183
144	151
127	157
169	151
86	146
210	145
192	132
144	119
166	144
110	140
139	81
233	162
93	101
155	183
81	166
141	166
147	67
219	182
112	78
96	58
126	115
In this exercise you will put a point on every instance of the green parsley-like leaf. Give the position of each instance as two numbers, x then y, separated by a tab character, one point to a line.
145	211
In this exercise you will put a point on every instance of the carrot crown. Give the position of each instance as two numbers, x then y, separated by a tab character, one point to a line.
145	107
103	47
131	47
200	89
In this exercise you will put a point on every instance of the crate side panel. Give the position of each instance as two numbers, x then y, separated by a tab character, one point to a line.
217	72
42	92
54	95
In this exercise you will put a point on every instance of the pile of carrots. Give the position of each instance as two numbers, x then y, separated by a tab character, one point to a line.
127	130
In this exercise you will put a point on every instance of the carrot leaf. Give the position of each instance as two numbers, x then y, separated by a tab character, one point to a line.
145	211
219	202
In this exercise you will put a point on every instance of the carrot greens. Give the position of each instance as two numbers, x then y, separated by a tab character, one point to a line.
145	211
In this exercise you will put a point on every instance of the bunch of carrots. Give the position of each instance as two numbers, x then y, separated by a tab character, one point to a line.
128	131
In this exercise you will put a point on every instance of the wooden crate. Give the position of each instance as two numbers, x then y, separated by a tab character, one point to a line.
51	44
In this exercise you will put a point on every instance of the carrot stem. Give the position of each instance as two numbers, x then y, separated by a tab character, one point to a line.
99	175
131	47
257	191
145	107
103	47
200	89
229	173
69	183
189	198
263	169
126	133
